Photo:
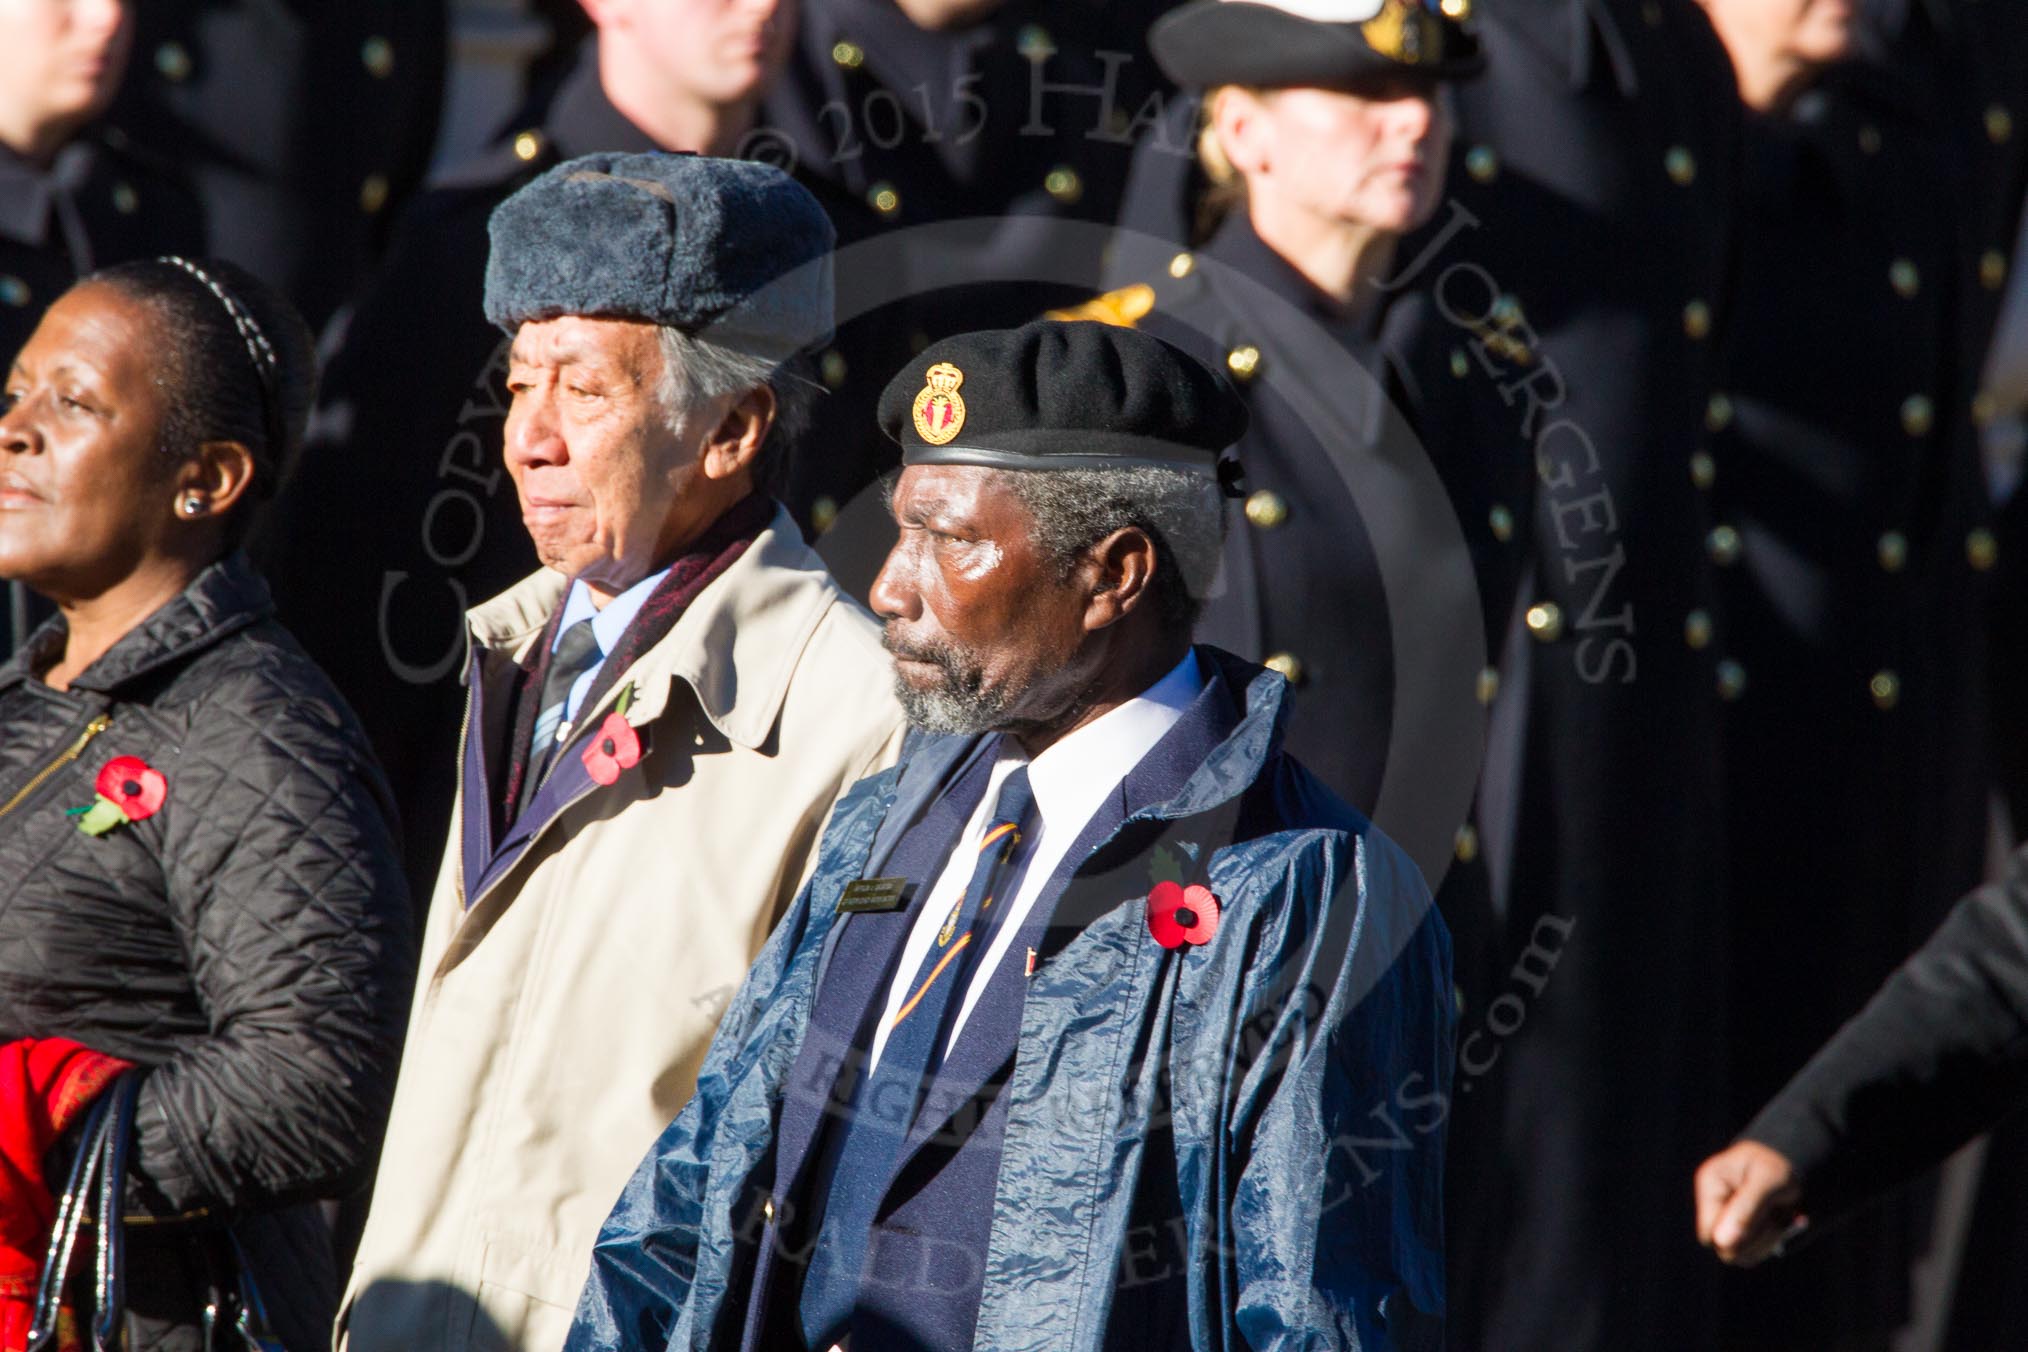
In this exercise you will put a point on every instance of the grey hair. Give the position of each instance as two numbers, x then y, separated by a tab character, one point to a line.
695	370
1182	512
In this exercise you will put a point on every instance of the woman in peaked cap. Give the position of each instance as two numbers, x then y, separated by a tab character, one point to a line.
1324	134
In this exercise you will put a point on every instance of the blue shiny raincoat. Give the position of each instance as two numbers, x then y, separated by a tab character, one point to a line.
1296	1067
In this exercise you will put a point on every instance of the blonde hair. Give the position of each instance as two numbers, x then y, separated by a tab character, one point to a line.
1225	188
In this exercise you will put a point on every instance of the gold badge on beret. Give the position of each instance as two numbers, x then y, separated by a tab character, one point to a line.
1404	31
939	410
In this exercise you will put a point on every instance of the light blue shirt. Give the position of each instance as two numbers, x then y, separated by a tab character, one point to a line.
607	626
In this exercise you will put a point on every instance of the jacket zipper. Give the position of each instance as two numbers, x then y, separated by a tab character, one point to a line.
92	729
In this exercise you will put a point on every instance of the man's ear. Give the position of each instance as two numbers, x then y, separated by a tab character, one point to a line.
217	477
735	444
1121	571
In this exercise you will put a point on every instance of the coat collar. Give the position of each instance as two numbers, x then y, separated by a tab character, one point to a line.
25	193
736	646
221	600
1584	40
1154	789
1230	733
1238	246
28	191
582	119
1234	762
1214	753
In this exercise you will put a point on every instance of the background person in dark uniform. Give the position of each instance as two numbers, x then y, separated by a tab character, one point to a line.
1848	487
73	197
568	27
304	127
1330	140
375	570
1019	114
1967	60
1934	1058
1596	160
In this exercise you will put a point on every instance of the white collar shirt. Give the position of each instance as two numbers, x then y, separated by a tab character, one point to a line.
608	624
1071	779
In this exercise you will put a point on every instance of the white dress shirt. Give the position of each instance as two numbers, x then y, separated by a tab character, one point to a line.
608	624
1070	780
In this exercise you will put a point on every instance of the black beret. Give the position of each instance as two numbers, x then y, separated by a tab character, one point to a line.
1313	44
736	252
1061	395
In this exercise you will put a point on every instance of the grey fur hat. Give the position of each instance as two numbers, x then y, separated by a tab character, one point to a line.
734	252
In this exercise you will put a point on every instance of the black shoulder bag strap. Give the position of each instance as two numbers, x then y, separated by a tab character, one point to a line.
100	1167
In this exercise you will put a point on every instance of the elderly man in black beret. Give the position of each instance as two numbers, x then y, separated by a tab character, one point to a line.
658	723
1101	1023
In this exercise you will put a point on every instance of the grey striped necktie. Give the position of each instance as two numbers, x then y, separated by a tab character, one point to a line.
576	653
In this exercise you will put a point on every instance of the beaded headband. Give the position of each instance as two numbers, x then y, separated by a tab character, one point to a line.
260	353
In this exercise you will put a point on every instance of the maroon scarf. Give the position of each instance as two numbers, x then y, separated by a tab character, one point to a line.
695	569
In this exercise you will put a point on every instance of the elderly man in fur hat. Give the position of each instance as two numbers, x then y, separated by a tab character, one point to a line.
658	724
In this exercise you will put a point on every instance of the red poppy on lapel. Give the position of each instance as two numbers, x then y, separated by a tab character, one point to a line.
615	747
135	785
129	790
1180	915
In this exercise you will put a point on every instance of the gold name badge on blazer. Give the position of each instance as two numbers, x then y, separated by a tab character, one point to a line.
872	894
940	410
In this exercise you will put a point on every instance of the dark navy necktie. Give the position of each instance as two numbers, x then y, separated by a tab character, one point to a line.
577	651
892	1092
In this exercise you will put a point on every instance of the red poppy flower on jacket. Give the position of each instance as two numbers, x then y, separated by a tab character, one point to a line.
1180	915
615	747
134	786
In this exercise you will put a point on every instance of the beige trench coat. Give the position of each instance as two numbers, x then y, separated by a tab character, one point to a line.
560	1022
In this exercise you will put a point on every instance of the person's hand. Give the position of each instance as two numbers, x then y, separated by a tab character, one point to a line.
1747	1199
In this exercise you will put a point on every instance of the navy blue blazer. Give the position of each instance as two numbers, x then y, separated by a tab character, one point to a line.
925	1268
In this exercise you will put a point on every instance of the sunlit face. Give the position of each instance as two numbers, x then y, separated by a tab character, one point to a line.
61	60
85	493
983	627
1806	32
1375	160
605	479
940	15
722	51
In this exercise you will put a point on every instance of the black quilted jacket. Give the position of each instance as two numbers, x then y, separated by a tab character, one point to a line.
250	943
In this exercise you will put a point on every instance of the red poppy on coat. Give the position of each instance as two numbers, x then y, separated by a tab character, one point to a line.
1180	915
615	747
134	786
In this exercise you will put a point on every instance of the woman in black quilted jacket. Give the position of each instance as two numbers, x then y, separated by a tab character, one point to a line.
197	858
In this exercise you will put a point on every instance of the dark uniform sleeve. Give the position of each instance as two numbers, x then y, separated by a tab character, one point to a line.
1937	1056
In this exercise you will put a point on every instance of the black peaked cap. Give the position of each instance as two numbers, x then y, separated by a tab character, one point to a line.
1061	395
1263	46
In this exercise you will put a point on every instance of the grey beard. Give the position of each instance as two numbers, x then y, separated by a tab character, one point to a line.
950	708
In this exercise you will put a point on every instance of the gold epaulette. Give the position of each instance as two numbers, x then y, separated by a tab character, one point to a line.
1123	308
